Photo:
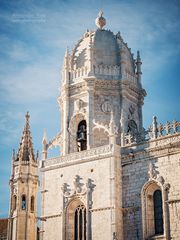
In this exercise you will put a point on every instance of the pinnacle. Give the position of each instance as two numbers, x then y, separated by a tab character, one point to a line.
26	152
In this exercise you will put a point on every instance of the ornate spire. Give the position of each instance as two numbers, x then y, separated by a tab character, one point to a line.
26	152
100	20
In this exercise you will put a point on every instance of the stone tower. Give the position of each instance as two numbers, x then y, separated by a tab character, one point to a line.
101	101
113	179
100	80
23	190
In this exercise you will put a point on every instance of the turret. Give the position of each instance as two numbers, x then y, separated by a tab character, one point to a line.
23	190
44	145
65	71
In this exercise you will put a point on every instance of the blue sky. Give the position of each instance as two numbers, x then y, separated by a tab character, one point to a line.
33	38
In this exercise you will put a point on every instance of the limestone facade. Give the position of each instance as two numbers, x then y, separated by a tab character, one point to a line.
113	179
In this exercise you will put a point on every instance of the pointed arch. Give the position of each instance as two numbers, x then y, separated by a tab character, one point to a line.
76	220
153	209
73	128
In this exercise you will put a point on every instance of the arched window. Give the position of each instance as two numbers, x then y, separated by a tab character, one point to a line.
158	212
80	223
76	218
82	136
152	210
32	204
23	202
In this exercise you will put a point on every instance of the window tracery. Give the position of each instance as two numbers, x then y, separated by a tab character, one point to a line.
80	223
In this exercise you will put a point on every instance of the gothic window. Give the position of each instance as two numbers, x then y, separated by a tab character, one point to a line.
80	223
152	210
32	204
23	202
82	136
158	212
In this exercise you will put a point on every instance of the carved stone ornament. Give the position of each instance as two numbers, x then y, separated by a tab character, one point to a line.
79	104
78	189
131	110
152	172
56	141
15	190
106	107
111	129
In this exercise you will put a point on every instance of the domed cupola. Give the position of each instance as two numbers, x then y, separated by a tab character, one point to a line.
101	54
101	91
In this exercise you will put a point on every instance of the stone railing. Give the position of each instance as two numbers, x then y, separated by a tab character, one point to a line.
94	152
106	70
80	72
155	131
130	78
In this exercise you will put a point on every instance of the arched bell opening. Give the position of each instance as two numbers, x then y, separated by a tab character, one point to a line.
82	136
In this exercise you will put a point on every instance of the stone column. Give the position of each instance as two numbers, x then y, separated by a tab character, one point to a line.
116	194
65	120
90	110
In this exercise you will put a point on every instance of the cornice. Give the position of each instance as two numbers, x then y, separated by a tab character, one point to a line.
150	153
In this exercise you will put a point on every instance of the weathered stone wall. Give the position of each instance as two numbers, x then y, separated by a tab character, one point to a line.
135	171
101	170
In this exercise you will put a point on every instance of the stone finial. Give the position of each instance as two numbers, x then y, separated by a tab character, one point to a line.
155	127
44	140
138	55
13	155
100	20
67	52
44	145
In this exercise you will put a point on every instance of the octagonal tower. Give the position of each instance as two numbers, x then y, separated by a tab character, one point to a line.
101	82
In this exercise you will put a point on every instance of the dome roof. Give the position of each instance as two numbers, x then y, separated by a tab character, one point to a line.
102	49
106	48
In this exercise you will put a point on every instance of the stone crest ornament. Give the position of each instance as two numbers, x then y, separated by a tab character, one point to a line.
78	189
154	174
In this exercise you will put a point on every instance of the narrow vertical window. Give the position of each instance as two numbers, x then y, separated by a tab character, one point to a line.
158	212
23	203
80	223
32	204
76	225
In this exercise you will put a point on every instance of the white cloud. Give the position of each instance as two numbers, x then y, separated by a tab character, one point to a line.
35	82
